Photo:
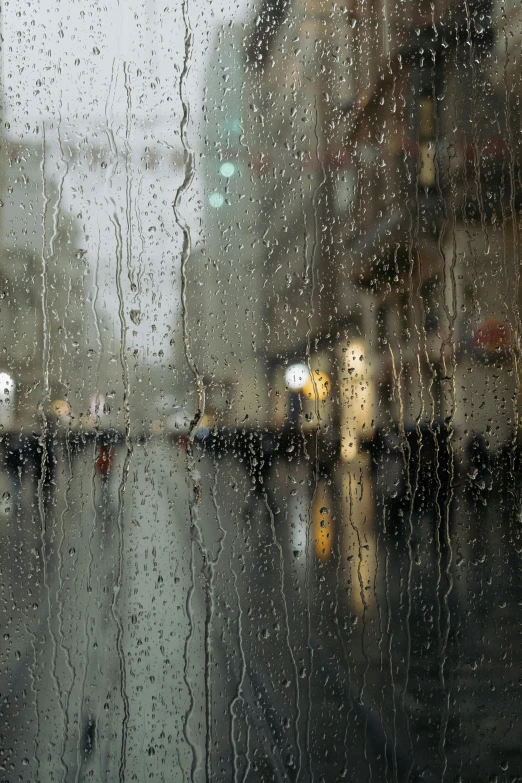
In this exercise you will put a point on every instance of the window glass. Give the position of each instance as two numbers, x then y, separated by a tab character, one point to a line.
260	398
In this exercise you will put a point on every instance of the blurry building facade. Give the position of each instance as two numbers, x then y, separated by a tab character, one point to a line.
362	283
378	198
45	319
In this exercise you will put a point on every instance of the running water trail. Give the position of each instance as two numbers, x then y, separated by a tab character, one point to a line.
297	705
64	166
212	565
60	605
238	697
128	178
48	255
121	492
316	245
193	473
116	224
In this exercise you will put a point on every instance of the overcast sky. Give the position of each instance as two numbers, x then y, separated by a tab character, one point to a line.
106	75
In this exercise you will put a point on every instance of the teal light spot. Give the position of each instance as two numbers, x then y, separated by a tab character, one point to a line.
227	169
216	200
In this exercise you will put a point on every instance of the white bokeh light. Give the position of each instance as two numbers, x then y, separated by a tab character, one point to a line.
7	401
296	375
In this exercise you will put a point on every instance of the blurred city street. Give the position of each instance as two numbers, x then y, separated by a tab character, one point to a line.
277	671
261	392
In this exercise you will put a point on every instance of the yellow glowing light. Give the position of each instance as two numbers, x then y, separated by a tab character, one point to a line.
208	420
318	386
427	170
348	448
355	361
61	408
322	524
357	401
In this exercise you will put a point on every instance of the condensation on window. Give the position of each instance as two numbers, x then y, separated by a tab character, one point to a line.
260	400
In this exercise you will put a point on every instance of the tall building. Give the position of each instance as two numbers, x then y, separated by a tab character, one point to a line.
45	315
361	276
388	193
226	273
